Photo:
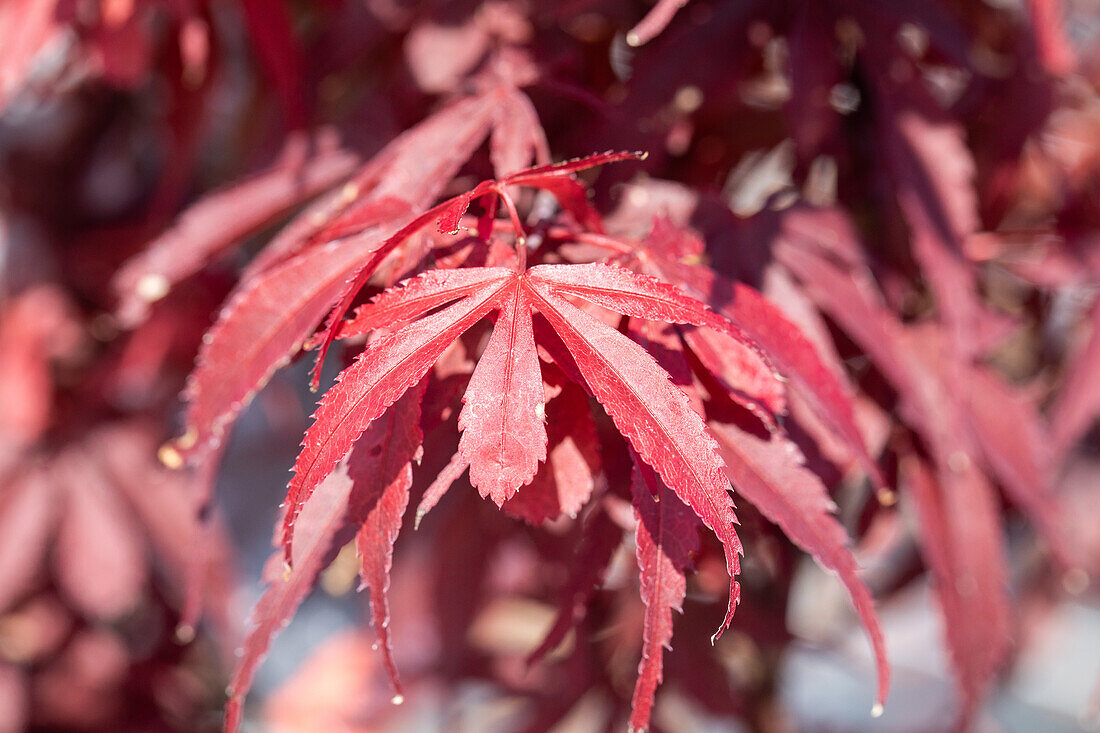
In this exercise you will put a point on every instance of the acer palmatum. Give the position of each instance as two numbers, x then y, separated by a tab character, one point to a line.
609	365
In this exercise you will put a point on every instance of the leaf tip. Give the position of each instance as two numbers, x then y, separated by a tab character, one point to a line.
397	699
876	710
886	497
633	39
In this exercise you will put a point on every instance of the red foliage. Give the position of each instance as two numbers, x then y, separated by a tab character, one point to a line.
884	321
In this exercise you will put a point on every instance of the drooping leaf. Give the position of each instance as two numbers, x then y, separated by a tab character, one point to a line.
322	520
517	137
793	355
960	535
442	483
663	342
746	378
541	175
666	537
1013	441
381	467
771	476
932	172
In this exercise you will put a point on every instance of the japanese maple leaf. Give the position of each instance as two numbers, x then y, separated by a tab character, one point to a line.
503	438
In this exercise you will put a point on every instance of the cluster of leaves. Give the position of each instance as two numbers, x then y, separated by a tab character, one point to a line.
836	324
98	536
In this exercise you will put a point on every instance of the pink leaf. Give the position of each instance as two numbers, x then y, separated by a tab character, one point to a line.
542	175
1049	26
629	293
743	375
257	332
419	163
451	209
667	536
321	521
25	28
99	553
792	353
771	476
442	483
572	196
280	56
403	178
517	137
1012	438
440	56
1078	402
933	172
960	535
224	218
642	296
663	342
362	274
